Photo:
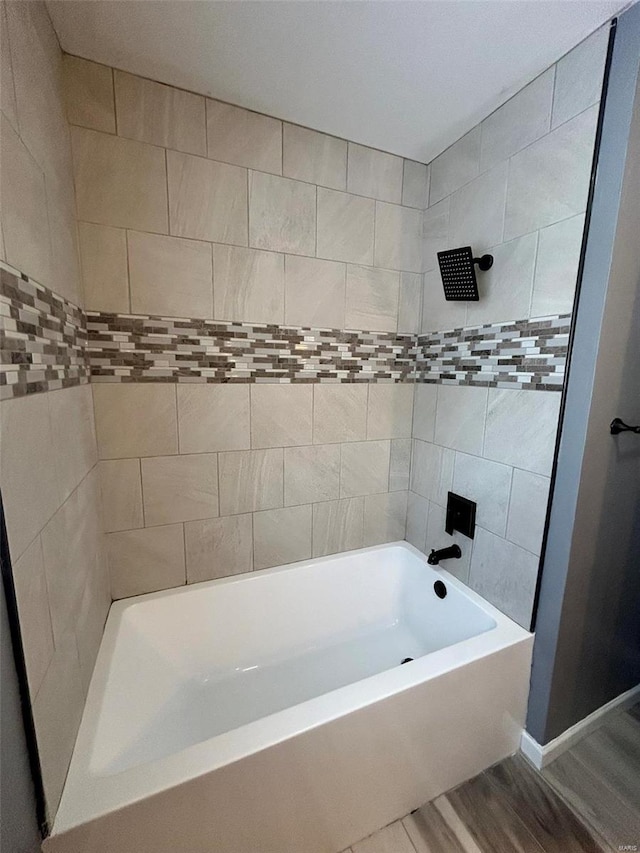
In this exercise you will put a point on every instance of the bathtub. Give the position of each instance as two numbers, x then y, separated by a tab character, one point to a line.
271	713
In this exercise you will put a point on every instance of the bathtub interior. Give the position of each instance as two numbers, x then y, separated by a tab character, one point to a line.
195	663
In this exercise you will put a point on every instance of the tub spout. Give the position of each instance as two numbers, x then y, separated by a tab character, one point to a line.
444	554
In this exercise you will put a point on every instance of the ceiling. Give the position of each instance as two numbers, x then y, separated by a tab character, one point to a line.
405	76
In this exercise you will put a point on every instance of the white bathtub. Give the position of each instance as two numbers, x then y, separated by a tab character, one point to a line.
269	713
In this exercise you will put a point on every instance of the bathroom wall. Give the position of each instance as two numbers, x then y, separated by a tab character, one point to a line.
515	186
239	424
48	455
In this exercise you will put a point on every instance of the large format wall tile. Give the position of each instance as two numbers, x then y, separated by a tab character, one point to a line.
169	276
456	166
339	413
549	180
437	313
364	468
159	114
417	515
521	428
213	417
374	173
579	77
389	410
73	436
489	485
398	237
207	200
504	574
345	227
281	415
8	104
121	486
218	547
179	488
400	464
431	471
248	285
314	157
415	184
527	510
282	214
105	273
89	94
424	411
519	122
338	526
410	303
372	298
314	292
281	536
135	420
384	517
119	181
311	473
146	560
239	136
460	417
435	233
250	480
557	262
477	211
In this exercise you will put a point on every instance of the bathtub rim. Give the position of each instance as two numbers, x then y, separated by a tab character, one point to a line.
87	796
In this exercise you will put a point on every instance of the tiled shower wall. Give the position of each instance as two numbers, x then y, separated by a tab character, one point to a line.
241	436
48	454
515	186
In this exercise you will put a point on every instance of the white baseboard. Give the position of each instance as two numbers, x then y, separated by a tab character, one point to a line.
542	754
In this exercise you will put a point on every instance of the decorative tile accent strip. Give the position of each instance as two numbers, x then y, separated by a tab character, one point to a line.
528	354
43	338
135	348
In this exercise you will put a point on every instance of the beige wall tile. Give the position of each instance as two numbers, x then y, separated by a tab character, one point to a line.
281	536
282	214
384	518
121	486
146	560
364	468
73	431
25	225
33	605
239	136
179	488
417	515
374	173
460	417
415	185
89	94
159	114
218	547
314	157
7	88
398	244
337	526
314	292
207	201
311	473
435	233
424	411
399	464
213	417
169	275
390	410
135	420
345	227
456	166
71	542
281	415
92	615
248	285
103	253
250	480
30	489
339	413
437	313
410	303
119	181
57	711
63	232
372	299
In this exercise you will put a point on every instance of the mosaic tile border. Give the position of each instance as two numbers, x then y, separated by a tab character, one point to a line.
527	354
49	343
43	338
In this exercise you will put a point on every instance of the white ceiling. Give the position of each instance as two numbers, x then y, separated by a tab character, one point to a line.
406	76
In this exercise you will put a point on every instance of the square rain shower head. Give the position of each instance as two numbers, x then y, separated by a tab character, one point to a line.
458	275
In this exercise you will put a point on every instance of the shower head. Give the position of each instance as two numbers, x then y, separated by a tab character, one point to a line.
458	273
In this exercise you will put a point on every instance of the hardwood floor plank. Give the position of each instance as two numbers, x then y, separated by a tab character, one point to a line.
491	821
612	753
431	833
594	800
551	822
390	839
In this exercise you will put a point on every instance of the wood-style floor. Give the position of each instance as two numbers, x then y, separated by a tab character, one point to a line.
586	801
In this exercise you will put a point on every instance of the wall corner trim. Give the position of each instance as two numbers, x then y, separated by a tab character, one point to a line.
541	755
